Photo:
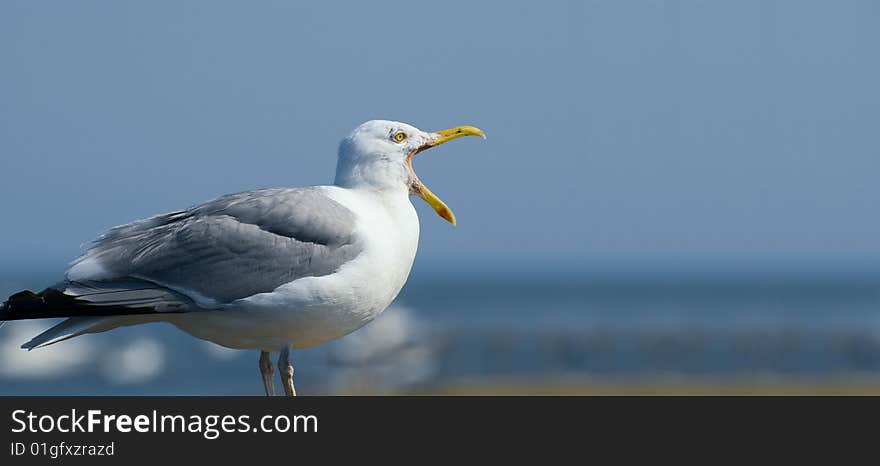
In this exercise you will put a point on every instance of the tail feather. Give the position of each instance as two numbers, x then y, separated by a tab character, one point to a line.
69	328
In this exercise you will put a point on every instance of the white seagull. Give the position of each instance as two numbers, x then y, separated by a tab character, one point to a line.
270	269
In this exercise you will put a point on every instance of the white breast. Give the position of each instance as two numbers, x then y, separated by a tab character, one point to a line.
312	310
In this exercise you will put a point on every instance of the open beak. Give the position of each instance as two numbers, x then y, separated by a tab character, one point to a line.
418	187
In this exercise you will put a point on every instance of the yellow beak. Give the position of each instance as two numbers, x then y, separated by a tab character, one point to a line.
419	188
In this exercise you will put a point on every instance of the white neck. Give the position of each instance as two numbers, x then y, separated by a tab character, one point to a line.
379	174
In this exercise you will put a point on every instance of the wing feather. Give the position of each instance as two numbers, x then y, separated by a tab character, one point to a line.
234	246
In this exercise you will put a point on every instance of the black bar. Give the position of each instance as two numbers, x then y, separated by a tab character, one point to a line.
377	428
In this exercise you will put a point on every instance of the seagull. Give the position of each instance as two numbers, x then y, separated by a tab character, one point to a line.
268	269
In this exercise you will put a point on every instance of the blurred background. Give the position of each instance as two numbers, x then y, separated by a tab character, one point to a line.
675	196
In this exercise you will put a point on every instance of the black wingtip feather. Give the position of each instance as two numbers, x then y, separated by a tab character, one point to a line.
45	304
5	312
53	302
25	305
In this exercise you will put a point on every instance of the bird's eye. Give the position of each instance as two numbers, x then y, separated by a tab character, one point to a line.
399	136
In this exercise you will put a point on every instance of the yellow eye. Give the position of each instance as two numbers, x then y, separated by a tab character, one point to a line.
399	136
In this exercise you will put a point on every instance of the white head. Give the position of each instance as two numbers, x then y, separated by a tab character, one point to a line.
378	155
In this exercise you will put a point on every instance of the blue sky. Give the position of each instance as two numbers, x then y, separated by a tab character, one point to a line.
671	132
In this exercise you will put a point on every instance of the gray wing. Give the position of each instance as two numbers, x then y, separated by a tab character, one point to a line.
234	246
